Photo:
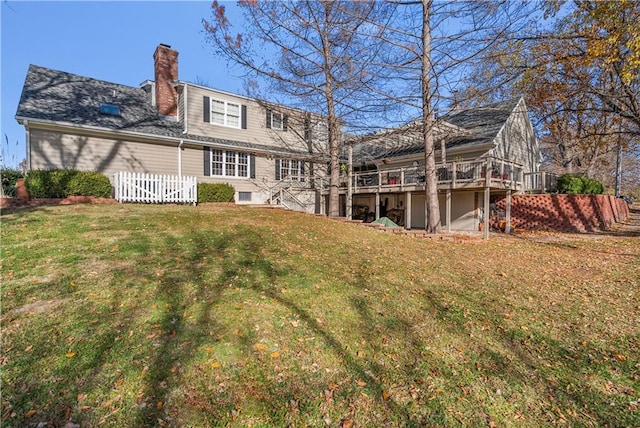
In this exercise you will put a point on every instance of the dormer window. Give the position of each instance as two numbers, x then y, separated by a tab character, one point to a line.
110	109
276	120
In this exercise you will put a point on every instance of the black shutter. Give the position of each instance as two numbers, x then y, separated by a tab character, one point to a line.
285	120
243	119
206	108
252	166
207	160
268	118
277	169
301	170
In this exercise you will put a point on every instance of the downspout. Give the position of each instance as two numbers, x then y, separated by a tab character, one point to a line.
27	140
180	157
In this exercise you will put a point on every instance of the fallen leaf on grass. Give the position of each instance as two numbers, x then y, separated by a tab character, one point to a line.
275	355
70	354
31	413
361	383
385	394
260	347
159	405
115	249
620	357
216	364
346	423
28	348
72	283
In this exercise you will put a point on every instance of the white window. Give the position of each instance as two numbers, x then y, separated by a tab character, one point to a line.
229	164
225	113
277	120
291	169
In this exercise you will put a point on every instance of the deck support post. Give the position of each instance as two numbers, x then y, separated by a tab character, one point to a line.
407	211
349	207
448	210
507	214
377	205
485	212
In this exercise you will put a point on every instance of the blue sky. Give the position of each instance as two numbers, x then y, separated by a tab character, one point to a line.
112	41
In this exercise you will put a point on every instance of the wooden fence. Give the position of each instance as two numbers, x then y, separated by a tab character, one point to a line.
155	188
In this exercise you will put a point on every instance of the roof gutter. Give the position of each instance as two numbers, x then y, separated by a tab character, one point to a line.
156	137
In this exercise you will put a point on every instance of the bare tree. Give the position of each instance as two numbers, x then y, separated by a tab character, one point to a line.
432	45
319	55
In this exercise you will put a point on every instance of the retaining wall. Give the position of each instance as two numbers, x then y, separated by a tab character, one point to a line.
564	213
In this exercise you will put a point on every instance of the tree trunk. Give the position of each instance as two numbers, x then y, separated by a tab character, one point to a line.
432	209
334	131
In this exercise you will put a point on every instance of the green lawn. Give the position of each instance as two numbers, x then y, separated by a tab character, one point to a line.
132	315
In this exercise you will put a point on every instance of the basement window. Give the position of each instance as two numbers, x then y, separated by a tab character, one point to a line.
110	109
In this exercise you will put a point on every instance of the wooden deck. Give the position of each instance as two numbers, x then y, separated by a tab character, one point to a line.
491	173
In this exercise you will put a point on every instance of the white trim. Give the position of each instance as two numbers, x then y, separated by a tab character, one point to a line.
223	163
225	113
293	174
281	127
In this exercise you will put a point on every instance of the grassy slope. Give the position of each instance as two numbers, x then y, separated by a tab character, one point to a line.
131	315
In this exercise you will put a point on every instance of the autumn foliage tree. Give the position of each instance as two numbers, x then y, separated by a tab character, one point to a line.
579	74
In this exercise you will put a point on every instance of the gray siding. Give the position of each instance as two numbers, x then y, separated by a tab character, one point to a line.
256	132
53	149
517	142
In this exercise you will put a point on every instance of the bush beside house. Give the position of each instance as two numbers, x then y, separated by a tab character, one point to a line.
579	185
62	183
215	192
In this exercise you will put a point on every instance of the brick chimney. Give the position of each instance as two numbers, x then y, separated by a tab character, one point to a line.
165	61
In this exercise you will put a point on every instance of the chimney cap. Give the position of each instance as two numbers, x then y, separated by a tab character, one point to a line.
164	45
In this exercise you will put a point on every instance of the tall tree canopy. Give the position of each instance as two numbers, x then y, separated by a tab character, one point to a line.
320	55
579	73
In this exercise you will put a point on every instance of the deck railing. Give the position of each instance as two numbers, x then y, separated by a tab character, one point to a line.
464	172
542	182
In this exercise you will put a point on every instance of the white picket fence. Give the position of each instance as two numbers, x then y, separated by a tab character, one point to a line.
155	188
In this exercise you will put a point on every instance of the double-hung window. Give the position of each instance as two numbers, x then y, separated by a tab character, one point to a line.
276	120
291	169
226	163
225	113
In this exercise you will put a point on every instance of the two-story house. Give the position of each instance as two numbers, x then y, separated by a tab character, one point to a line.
275	154
168	126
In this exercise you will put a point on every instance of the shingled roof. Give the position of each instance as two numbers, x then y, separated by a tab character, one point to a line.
477	126
69	99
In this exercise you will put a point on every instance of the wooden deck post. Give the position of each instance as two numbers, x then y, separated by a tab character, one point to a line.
349	207
448	210
507	214
377	205
487	200
407	211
